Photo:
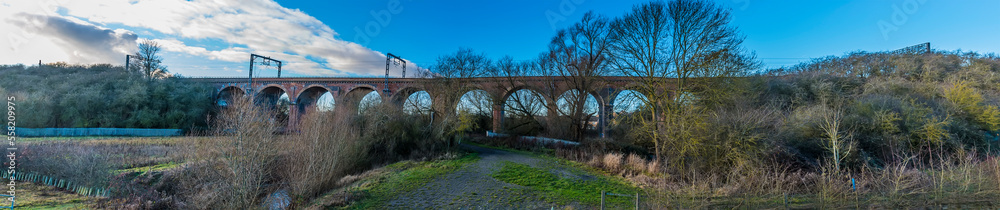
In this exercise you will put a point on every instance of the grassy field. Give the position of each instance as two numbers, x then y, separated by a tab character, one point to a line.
127	155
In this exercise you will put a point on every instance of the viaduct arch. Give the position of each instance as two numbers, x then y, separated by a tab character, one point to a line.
304	92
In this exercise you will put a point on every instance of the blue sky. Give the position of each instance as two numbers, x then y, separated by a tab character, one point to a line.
321	38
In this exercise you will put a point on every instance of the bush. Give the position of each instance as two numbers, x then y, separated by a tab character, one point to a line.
613	162
102	95
969	104
393	135
247	161
235	169
327	149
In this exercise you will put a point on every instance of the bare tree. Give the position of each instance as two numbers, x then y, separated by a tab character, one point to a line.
681	52
639	50
465	63
838	139
238	163
447	87
578	56
148	61
525	107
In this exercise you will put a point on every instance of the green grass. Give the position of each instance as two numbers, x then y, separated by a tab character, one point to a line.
564	190
37	196
157	167
411	176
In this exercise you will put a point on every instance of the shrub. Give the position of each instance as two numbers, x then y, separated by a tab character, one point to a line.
613	162
327	148
235	168
392	134
635	163
969	103
740	135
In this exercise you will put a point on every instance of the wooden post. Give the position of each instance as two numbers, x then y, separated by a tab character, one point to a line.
786	200
636	201
602	199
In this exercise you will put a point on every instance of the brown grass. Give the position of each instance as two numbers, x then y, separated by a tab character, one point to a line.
636	164
613	162
968	178
323	153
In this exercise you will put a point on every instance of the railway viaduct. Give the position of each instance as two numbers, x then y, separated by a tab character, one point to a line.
304	92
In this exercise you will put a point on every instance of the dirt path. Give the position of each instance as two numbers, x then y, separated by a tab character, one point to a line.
472	187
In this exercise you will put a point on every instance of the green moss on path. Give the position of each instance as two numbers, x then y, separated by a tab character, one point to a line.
411	175
565	190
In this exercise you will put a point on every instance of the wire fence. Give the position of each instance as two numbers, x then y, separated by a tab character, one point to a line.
52	132
605	193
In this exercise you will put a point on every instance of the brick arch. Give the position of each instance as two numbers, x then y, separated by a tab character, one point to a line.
629	86
454	104
268	95
599	100
222	96
402	93
223	89
596	94
309	96
500	107
307	87
547	99
271	85
469	87
351	99
360	86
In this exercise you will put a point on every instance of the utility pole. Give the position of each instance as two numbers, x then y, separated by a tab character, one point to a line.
266	61
250	83
389	57
127	58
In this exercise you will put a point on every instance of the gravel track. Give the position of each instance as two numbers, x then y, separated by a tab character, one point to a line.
472	187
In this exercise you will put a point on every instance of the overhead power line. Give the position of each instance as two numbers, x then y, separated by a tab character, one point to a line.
264	61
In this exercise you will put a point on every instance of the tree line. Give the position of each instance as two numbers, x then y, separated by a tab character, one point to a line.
60	95
708	106
657	43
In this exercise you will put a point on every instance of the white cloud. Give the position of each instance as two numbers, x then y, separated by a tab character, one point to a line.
233	54
264	27
81	41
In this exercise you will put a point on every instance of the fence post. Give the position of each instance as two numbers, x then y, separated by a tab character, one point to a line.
602	199
786	200
636	201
